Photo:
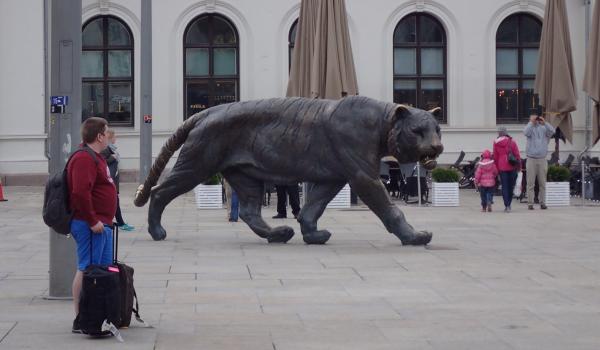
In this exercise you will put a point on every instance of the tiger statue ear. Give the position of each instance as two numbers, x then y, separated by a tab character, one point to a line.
400	112
436	112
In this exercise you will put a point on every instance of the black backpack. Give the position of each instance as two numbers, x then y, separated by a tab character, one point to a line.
56	212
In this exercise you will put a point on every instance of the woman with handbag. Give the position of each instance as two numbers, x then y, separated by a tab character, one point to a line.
508	161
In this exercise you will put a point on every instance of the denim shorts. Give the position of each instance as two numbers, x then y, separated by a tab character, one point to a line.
102	245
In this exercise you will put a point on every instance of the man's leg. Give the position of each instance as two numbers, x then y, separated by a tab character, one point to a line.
542	172
76	290
531	174
119	215
106	239
281	201
81	233
294	199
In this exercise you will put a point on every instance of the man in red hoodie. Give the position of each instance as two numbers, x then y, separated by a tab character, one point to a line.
93	200
508	161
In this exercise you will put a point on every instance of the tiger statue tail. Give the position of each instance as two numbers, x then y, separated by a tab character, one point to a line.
166	152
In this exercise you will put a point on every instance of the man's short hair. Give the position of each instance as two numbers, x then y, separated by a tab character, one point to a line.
91	128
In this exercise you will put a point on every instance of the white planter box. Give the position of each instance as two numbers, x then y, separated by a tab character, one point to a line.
445	194
558	194
209	196
341	200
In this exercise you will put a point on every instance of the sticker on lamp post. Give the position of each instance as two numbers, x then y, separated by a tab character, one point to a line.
147	119
58	103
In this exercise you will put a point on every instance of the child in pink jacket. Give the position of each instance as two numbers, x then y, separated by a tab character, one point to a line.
485	179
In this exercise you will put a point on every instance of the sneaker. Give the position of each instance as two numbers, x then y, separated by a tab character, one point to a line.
489	208
483	210
530	207
543	206
279	216
126	227
506	209
76	328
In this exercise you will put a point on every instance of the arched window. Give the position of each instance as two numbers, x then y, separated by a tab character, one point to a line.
107	71
517	46
420	63
211	63
292	42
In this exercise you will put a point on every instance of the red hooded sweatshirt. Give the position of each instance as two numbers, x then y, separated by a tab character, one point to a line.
485	175
501	147
93	196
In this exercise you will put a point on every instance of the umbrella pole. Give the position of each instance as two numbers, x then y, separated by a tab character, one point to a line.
582	182
419	182
588	104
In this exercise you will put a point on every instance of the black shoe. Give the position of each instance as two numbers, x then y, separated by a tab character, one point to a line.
76	328
530	207
279	216
543	206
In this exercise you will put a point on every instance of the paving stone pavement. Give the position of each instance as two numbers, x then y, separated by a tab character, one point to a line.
524	280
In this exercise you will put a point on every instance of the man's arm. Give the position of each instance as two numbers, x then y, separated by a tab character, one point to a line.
529	127
549	130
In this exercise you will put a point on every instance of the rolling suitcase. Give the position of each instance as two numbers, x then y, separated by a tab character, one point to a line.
128	295
100	302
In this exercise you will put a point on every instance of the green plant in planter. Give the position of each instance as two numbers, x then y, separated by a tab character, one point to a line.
557	173
214	180
445	175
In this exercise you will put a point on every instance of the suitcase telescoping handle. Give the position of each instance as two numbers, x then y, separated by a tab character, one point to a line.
115	228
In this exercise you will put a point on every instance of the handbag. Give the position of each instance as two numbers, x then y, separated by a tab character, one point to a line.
512	160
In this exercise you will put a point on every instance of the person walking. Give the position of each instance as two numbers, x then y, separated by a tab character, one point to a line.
538	134
113	158
283	191
93	202
508	162
485	180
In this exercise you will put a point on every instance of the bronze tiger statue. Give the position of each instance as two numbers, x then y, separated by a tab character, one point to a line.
289	140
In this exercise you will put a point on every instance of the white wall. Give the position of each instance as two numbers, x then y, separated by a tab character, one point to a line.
22	87
263	27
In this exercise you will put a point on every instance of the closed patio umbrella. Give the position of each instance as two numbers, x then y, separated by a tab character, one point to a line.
555	79
591	79
322	63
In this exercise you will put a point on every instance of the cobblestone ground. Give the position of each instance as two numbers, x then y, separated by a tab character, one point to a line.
524	280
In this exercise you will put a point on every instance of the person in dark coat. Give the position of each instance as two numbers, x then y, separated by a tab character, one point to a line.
283	191
112	159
